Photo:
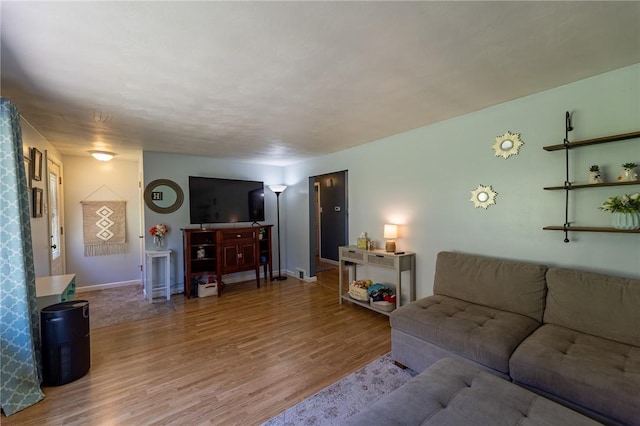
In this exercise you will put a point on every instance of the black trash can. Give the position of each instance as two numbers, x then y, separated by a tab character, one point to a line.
66	349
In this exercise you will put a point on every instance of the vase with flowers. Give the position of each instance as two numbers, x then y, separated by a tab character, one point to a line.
158	232
625	209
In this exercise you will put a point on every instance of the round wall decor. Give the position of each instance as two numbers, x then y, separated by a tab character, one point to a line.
163	196
483	196
507	145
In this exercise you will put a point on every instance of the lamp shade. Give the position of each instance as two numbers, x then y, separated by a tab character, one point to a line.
102	155
390	232
278	188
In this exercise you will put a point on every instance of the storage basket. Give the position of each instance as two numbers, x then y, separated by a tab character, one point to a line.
358	293
383	305
207	289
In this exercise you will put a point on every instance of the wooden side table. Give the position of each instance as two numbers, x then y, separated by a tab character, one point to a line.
401	262
152	281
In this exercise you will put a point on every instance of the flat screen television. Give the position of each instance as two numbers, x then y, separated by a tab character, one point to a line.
216	200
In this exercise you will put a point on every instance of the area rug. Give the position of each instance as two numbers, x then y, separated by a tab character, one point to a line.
346	397
122	304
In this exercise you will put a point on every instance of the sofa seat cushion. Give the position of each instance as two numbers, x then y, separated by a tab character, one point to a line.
598	374
486	335
454	393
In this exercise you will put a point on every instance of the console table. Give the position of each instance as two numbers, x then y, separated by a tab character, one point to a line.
54	289
406	261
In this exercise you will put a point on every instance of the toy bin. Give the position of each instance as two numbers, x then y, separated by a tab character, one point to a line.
207	289
358	293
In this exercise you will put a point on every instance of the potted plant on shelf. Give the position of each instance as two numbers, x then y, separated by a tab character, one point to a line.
625	209
595	176
628	174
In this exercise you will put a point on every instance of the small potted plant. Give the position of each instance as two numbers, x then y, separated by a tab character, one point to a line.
595	176
628	173
625	209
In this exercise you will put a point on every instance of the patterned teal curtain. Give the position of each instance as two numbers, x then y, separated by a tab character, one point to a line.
20	374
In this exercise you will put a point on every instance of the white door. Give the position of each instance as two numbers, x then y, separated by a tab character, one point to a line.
54	212
143	266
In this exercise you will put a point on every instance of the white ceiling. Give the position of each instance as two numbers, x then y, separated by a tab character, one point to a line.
279	82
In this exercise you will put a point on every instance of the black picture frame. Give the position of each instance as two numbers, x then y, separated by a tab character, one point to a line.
36	164
37	202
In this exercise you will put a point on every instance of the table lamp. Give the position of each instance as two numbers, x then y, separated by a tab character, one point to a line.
390	234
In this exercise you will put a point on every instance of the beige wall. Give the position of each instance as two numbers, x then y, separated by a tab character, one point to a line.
81	177
92	180
39	226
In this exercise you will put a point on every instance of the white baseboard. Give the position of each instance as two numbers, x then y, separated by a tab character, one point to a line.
250	275
229	279
82	289
296	275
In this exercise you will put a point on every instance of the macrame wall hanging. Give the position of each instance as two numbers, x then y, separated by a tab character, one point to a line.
104	226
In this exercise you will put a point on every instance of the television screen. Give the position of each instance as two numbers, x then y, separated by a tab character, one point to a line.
215	200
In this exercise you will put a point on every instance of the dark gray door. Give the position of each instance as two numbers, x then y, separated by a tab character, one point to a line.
333	213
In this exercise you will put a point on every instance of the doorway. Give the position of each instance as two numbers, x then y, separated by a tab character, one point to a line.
328	218
55	216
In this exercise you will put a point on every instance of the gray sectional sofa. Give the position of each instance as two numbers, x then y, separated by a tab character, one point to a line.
455	393
571	336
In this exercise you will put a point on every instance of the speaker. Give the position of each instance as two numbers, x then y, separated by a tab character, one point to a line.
66	347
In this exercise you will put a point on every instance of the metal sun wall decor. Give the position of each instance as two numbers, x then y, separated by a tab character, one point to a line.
483	196
507	145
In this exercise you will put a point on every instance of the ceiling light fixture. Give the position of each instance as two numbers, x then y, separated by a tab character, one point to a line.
102	155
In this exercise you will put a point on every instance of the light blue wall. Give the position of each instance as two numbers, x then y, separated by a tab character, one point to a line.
178	168
423	178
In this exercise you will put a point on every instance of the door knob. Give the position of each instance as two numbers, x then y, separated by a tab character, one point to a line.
54	246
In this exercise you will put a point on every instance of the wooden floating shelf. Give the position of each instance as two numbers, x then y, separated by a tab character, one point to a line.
593	185
596	141
591	229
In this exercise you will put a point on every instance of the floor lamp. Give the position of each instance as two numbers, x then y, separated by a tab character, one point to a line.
278	189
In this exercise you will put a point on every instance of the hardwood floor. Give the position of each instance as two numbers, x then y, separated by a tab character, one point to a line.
236	360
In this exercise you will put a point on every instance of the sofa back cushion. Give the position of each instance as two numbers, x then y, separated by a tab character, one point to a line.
596	304
502	284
